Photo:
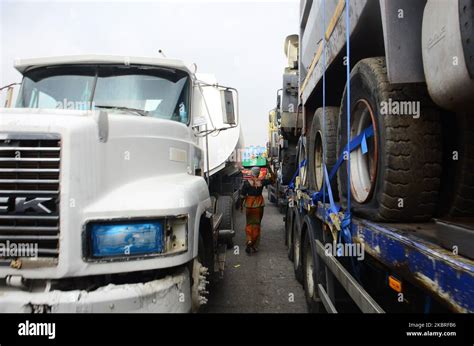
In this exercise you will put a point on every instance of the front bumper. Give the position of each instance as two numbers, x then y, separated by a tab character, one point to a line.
170	294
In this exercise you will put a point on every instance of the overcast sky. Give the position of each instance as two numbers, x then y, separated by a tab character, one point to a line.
241	42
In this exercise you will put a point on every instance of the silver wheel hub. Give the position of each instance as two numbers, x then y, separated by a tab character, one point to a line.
363	166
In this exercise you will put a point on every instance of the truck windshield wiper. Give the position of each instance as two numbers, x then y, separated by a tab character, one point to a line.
127	109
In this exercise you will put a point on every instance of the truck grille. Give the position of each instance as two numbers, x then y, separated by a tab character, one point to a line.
29	193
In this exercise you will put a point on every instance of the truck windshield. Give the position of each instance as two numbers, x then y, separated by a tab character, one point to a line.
141	90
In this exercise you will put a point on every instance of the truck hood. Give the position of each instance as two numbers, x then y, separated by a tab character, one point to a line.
108	148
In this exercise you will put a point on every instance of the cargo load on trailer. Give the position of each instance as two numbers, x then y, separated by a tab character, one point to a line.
383	163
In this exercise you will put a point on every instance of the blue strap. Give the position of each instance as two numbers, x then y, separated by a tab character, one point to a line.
346	227
291	185
354	144
364	144
333	207
360	140
345	235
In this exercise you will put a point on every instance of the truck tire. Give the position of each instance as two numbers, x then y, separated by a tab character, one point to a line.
288	164
319	135
461	183
290	219
313	271
225	206
288	225
302	156
271	194
398	179
206	250
297	248
281	206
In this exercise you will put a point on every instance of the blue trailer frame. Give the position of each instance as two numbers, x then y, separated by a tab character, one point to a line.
440	273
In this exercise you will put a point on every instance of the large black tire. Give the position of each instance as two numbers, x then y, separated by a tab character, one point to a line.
225	205
288	163
288	223
313	270
408	151
461	179
323	136
289	232
297	248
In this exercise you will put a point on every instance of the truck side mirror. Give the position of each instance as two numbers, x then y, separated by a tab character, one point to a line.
228	111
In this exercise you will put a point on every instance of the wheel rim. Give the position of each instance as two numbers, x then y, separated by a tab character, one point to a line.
363	166
303	170
309	273
318	161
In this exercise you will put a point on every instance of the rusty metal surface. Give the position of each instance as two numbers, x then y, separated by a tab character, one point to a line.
417	252
446	275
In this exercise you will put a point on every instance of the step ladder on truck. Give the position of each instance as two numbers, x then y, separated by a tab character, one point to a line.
380	212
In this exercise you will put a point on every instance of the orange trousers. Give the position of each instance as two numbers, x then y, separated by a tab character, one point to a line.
252	229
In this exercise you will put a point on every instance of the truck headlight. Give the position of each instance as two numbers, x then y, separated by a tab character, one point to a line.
126	239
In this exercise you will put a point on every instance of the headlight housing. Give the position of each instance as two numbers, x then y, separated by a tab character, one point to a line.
109	240
126	239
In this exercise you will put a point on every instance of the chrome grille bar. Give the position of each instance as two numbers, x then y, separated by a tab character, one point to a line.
29	170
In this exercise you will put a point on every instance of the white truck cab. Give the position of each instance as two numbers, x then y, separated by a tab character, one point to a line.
102	179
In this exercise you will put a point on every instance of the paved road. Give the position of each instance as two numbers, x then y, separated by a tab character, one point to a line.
263	282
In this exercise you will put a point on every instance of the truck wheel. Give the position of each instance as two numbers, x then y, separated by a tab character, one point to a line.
289	233
281	207
303	173
461	184
297	247
398	179
319	135
288	219
225	206
206	252
313	272
288	164
271	196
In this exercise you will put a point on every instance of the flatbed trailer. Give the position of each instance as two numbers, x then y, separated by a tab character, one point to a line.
410	252
391	227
